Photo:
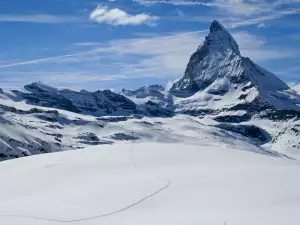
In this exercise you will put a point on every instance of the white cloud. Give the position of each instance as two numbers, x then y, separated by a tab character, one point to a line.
102	14
295	86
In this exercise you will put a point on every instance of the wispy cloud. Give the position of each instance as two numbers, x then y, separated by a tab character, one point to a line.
242	7
38	18
237	13
294	37
164	56
170	2
78	77
62	79
37	61
238	22
234	6
102	14
87	44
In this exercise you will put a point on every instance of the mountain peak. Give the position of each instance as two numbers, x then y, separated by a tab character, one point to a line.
220	40
216	26
217	69
40	87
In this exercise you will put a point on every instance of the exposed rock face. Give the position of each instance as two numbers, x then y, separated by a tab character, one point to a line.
218	71
151	90
280	115
254	133
123	137
89	138
97	103
208	62
158	110
233	118
153	100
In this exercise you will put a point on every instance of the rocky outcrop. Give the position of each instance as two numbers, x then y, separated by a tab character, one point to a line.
254	133
97	103
153	100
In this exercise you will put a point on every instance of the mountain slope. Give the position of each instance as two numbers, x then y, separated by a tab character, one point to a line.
152	99
151	184
218	72
233	93
29	130
222	94
97	103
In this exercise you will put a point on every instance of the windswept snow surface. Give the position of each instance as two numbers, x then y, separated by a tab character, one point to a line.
151	183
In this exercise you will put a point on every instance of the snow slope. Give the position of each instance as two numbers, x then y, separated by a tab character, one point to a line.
151	183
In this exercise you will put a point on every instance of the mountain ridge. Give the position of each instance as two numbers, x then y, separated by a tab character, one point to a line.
221	91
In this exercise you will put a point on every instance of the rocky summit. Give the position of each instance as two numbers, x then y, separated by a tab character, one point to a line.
218	72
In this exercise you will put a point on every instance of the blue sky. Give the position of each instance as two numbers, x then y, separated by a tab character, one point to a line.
94	44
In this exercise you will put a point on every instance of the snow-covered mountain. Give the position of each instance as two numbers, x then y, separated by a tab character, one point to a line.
226	88
28	130
97	103
145	91
153	100
222	94
218	146
218	77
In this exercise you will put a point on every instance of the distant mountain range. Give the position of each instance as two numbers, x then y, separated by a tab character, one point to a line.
220	89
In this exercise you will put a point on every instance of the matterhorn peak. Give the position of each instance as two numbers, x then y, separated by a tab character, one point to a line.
216	26
218	49
218	70
219	40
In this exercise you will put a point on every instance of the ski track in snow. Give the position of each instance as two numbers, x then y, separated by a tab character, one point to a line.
167	185
134	164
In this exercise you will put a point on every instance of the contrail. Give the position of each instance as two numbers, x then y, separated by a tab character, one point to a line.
39	60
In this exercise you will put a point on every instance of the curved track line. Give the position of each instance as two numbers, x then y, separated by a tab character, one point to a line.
167	185
98	216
